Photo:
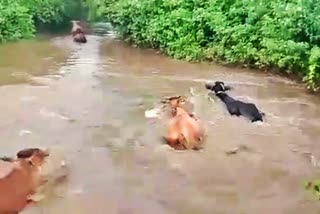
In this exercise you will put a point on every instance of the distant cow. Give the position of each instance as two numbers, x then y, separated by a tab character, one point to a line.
77	32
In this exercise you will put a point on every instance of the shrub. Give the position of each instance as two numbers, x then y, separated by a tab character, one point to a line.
15	22
45	11
275	33
18	18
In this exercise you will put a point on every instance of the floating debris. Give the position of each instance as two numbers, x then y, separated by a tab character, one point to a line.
48	58
77	191
37	86
24	132
28	98
62	72
232	151
314	161
155	71
192	91
21	75
54	76
211	122
237	149
40	81
152	113
259	123
211	99
47	113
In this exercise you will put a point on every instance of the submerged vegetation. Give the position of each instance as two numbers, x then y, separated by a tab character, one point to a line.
267	34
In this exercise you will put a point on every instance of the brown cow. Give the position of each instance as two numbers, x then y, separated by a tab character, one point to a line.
19	179
77	32
184	130
76	27
80	38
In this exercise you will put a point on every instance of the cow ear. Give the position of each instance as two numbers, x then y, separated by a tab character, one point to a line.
30	162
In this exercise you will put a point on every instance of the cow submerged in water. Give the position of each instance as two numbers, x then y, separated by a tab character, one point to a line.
184	130
19	178
77	32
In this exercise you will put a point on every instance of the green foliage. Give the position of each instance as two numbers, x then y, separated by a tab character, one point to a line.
94	12
19	18
275	33
44	11
313	75
15	22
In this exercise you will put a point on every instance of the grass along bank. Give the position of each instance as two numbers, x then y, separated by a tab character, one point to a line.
266	34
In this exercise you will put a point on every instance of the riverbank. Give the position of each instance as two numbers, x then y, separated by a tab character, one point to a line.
279	35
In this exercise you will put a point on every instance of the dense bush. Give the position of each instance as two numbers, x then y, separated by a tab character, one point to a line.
15	22
44	11
18	18
276	33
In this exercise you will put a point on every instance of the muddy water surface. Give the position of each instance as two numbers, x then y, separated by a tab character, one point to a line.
89	101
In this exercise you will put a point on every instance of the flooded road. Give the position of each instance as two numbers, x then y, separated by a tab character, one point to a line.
89	102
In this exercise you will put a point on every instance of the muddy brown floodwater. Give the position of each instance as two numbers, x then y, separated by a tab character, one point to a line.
89	101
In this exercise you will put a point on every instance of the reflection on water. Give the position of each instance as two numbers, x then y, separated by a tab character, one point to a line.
20	60
93	109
